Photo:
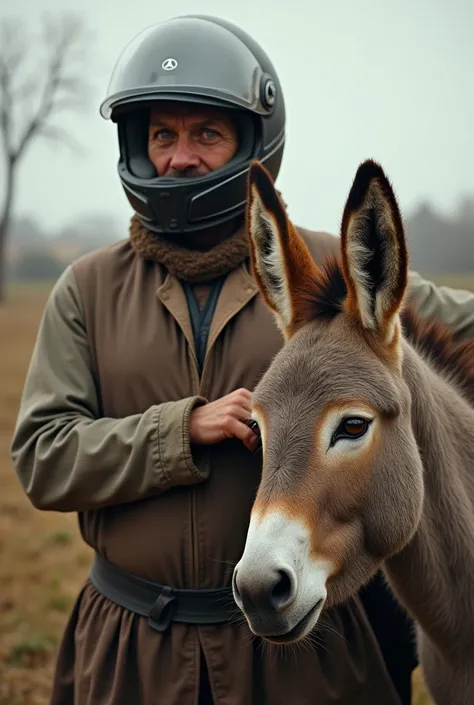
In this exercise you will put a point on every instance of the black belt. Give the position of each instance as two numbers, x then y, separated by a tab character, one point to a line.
162	604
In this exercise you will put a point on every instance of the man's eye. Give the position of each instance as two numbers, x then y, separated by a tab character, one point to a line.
163	135
352	428
209	134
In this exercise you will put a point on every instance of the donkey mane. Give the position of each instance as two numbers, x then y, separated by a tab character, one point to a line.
433	340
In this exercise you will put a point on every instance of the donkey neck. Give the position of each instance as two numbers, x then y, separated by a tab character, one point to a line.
442	422
434	575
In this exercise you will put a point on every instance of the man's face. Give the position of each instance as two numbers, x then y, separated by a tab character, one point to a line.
185	140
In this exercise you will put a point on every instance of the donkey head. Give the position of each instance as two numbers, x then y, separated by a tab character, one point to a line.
341	486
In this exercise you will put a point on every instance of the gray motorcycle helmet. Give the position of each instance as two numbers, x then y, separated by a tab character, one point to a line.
209	61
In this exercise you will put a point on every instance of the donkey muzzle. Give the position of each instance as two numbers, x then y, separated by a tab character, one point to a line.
277	584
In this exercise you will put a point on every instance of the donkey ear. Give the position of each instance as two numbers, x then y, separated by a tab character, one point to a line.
374	251
282	265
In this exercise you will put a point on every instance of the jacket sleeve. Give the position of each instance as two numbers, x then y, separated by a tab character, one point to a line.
68	457
454	307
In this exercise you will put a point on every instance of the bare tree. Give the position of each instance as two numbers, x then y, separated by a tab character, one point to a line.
38	80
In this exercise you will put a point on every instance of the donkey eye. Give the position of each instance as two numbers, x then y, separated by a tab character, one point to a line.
352	427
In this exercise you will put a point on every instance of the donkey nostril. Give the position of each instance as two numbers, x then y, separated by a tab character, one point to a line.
282	590
271	592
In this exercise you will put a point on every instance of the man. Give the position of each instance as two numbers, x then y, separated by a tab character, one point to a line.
136	405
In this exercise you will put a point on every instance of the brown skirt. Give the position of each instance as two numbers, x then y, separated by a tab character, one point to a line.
110	656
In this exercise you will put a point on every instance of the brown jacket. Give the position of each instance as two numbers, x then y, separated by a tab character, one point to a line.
103	431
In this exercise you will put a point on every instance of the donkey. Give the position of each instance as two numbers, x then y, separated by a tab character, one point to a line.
367	426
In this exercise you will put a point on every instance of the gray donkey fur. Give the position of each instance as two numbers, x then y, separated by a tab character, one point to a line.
367	425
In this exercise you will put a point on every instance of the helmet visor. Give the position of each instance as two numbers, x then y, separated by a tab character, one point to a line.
178	62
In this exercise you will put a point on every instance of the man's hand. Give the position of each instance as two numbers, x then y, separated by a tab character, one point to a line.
224	418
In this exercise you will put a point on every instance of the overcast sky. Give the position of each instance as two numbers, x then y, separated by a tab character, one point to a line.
362	78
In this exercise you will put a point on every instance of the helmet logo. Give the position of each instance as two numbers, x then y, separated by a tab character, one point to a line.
169	64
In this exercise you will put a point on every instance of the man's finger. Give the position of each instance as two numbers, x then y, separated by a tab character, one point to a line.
248	437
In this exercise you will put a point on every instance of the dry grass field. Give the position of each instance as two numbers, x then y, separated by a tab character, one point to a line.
42	559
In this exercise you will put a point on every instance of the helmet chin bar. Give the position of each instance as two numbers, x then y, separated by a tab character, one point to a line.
195	201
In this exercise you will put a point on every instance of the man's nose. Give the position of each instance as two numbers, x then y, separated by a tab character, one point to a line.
184	156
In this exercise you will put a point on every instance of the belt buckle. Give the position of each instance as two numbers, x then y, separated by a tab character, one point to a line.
163	609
